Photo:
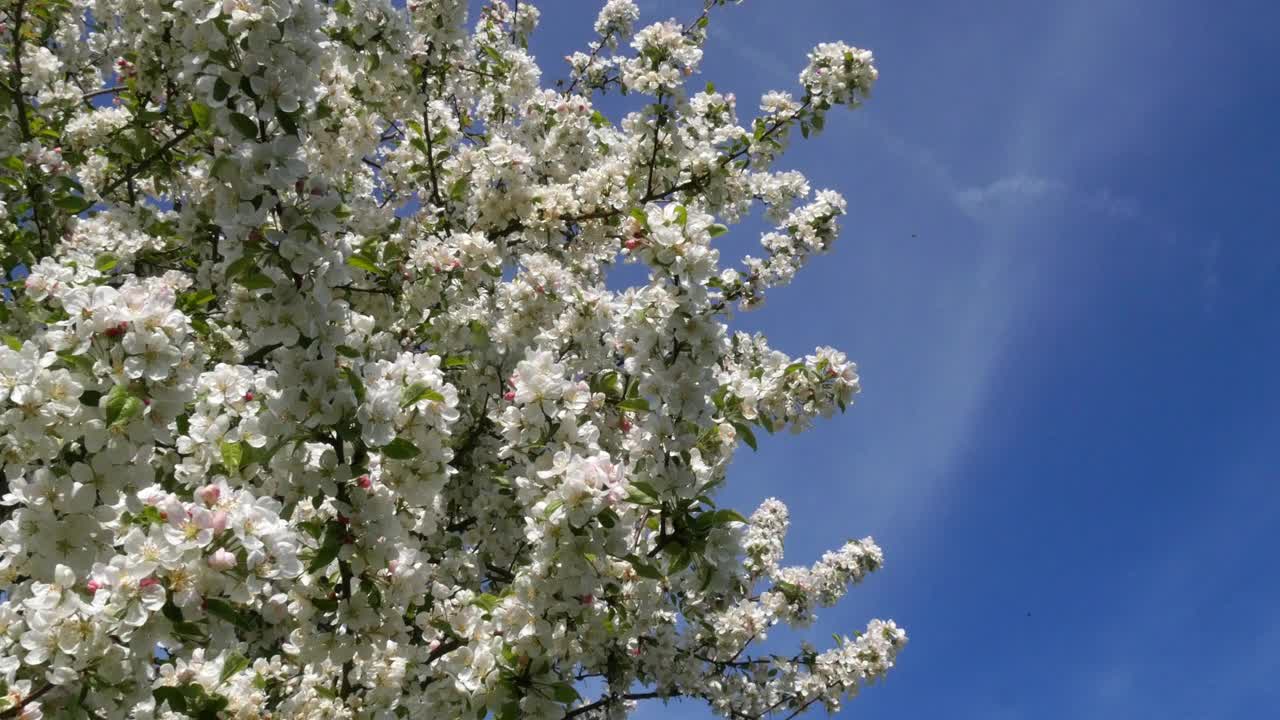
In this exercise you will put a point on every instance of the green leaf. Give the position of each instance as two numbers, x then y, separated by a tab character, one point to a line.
172	695
419	391
564	693
493	54
241	265
646	488
73	204
234	663
287	122
644	569
363	262
257	281
121	406
342	7
105	262
608	518
190	630
66	183
202	115
717	230
213	708
329	548
357	385
682	215
642	493
232	454
80	363
458	189
400	449
220	89
13	342
454	361
486	601
721	517
198	298
747	436
607	383
313	527
244	125
790	591
224	610
634	404
641	217
347	351
681	561
150	515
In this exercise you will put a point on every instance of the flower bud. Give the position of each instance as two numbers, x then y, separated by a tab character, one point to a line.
222	559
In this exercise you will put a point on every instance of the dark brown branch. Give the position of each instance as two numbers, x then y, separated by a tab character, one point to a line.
431	150
34	190
103	91
16	710
133	171
657	140
614	698
444	649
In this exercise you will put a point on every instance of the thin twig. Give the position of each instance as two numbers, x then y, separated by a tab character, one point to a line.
133	171
614	698
103	91
24	702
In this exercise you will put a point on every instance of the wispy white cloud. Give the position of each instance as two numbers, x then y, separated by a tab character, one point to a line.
1012	191
1016	193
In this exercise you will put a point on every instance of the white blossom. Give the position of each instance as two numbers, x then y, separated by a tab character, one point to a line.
319	398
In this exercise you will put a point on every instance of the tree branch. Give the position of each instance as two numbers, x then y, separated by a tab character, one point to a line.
16	710
133	171
103	91
34	190
614	698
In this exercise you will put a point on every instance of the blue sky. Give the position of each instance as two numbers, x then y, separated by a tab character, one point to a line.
1059	276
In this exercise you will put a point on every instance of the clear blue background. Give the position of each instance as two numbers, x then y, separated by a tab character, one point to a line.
1059	276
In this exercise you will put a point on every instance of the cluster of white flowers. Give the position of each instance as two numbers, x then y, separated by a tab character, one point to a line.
616	19
666	55
838	74
763	544
317	401
93	127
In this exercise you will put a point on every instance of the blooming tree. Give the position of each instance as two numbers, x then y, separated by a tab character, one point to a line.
315	401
